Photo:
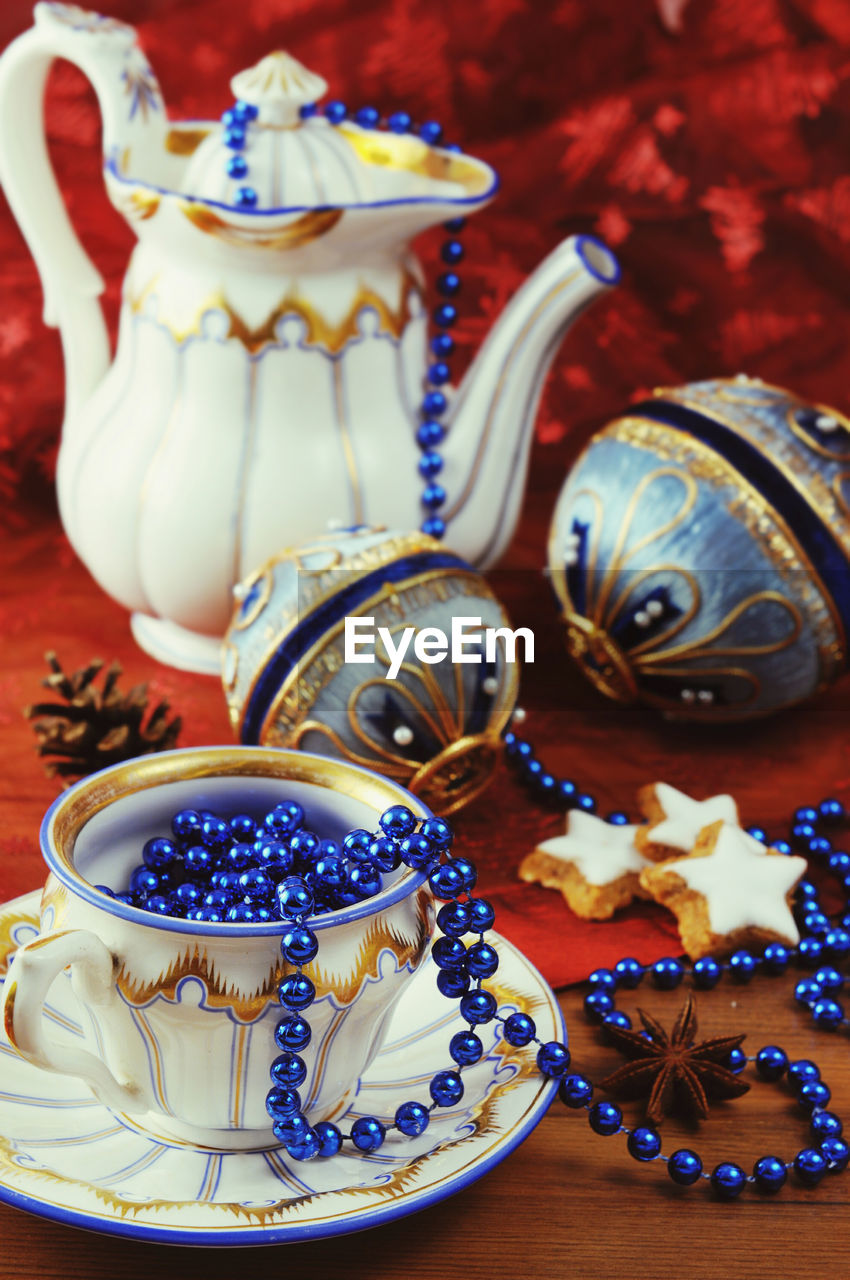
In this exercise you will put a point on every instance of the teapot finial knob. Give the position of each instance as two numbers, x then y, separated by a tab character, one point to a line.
279	86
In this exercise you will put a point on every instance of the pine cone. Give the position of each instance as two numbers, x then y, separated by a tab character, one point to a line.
95	727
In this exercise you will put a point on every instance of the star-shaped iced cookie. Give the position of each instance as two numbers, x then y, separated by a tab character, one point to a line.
674	820
729	892
596	865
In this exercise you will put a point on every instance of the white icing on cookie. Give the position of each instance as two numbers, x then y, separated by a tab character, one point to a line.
600	850
685	818
743	887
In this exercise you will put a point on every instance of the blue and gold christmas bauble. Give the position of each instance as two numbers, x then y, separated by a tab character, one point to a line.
436	726
700	550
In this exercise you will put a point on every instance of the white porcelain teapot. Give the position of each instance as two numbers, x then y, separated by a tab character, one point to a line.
273	345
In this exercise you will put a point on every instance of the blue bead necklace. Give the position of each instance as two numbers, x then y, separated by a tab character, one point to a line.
822	940
461	974
435	402
278	870
452	879
829	1152
307	874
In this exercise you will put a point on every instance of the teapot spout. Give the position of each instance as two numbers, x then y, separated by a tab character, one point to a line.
491	427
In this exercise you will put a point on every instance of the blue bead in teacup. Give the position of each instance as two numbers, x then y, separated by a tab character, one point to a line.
165	990
247	870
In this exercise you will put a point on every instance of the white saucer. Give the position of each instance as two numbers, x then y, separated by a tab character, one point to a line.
65	1156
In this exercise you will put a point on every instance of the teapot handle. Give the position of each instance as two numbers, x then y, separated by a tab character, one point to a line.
107	54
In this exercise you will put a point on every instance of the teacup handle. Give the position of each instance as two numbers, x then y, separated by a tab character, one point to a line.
33	970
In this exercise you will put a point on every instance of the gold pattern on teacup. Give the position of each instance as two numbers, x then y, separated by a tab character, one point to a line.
9	1014
8	946
54	903
248	1006
366	963
220	994
48	939
484	1121
78	807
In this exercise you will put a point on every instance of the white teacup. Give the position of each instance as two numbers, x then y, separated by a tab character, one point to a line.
179	1016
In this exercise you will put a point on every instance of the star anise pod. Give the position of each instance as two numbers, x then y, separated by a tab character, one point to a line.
94	727
673	1069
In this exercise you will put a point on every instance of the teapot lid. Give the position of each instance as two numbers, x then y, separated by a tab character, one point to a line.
278	86
271	152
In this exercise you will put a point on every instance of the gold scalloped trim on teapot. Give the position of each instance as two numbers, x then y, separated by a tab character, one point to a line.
320	332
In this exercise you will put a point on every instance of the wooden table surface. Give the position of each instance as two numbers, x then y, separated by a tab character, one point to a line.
565	1204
